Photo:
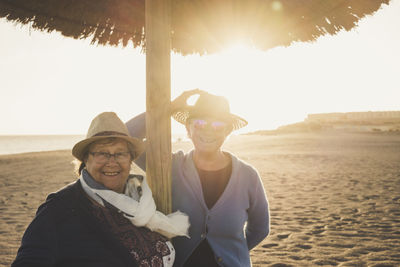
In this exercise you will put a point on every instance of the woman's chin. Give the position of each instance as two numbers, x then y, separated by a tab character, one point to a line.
113	182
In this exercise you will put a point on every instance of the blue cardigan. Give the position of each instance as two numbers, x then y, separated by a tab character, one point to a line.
237	222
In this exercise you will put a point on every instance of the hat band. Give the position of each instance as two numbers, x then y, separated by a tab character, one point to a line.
106	133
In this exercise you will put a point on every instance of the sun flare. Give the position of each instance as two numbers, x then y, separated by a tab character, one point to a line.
238	48
247	78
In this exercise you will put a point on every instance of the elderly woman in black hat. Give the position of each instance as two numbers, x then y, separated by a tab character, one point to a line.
223	196
102	219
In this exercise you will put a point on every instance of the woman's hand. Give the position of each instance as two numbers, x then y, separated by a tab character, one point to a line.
181	101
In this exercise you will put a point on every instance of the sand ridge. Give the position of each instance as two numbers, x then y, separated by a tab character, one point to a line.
334	198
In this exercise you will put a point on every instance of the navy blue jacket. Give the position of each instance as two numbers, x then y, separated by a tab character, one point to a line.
65	234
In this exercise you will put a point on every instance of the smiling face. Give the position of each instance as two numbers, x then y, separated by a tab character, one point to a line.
207	133
109	172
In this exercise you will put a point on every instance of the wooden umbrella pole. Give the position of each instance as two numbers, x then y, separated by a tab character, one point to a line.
158	97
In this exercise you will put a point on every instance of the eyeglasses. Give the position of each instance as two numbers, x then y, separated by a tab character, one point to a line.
120	157
201	124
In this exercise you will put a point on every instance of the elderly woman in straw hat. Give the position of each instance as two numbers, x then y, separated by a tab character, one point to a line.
223	196
102	219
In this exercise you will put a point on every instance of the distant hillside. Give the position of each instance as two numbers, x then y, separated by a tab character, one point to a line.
371	121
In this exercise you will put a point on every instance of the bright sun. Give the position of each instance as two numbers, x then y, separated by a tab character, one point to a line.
238	48
246	77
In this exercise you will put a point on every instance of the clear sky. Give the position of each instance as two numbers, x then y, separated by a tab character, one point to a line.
56	85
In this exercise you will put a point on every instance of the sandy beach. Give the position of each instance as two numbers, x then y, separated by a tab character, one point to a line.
334	197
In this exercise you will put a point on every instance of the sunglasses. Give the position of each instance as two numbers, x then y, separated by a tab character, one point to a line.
200	124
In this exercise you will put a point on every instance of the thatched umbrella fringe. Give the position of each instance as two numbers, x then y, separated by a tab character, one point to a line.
198	26
103	33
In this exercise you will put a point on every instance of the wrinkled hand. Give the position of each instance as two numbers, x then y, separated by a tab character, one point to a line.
181	101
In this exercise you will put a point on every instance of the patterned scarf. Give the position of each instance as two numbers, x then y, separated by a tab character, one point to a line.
141	212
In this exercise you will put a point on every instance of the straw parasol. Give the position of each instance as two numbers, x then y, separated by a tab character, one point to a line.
197	26
191	26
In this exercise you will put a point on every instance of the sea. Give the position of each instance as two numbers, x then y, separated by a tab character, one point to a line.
15	144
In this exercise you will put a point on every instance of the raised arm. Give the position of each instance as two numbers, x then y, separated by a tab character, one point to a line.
137	128
137	125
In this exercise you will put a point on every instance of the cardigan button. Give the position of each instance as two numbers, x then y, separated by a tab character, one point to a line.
219	259
203	235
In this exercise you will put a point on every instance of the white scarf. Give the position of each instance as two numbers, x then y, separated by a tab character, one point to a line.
142	212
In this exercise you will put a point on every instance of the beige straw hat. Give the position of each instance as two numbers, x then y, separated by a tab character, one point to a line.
213	106
105	125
